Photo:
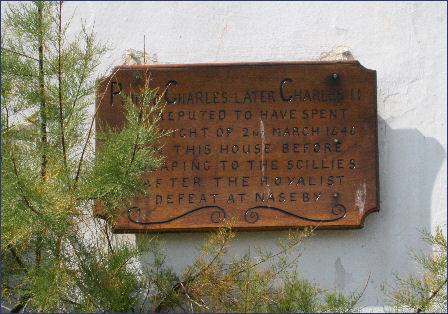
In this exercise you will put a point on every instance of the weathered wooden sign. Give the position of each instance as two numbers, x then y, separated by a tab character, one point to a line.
267	145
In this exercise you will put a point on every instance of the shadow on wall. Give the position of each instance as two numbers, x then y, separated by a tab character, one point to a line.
343	259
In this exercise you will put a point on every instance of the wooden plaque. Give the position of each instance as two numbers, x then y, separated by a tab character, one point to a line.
267	145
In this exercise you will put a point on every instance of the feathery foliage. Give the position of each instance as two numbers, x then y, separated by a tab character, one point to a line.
215	283
425	292
57	257
54	255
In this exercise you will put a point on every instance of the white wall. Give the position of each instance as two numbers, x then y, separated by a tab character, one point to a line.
404	42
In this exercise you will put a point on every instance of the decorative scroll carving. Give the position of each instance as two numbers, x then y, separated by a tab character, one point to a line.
216	216
252	216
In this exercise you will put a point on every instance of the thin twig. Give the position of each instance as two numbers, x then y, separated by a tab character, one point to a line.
273	256
359	296
43	113
134	151
22	303
432	296
70	301
78	90
89	133
139	121
246	286
144	49
191	299
293	261
191	278
204	269
61	113
5	307
17	258
22	192
19	53
82	79
109	242
145	298
58	247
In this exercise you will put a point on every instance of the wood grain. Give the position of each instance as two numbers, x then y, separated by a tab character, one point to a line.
267	145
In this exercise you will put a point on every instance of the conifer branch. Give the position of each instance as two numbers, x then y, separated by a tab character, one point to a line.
22	192
19	306
358	297
134	150
70	301
19	53
17	258
89	133
278	253
431	296
43	109
140	116
78	89
61	114
109	242
181	284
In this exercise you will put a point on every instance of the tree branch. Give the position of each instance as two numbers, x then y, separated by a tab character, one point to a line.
181	284
61	114
349	310
134	151
17	258
43	114
78	90
89	133
139	121
109	242
22	303
19	54
22	192
283	251
432	296
43	110
184	290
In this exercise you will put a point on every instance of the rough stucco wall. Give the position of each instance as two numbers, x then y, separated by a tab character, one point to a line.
404	42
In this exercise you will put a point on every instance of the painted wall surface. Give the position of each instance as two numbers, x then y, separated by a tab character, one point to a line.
404	42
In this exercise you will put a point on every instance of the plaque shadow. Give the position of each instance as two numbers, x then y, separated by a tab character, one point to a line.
409	163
